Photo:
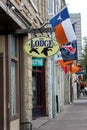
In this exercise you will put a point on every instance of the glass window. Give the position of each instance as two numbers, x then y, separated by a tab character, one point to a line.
57	6
35	1
13	88
14	75
12	45
50	6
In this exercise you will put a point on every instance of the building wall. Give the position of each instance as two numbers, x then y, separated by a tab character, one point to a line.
23	18
76	19
74	86
42	6
48	89
28	10
27	87
27	84
66	89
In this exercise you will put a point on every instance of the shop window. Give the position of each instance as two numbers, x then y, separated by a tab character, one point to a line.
14	75
12	46
13	88
50	6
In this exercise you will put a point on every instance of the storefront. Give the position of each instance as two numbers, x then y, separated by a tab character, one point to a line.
16	67
11	51
38	87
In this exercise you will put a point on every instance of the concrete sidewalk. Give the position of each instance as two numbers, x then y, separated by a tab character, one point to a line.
74	117
36	124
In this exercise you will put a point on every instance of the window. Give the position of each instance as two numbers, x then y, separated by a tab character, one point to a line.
50	6
12	46
35	1
14	75
13	88
57	6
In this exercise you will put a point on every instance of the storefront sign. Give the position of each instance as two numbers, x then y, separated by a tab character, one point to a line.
42	47
37	62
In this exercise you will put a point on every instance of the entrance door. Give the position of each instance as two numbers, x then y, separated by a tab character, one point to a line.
38	92
1	92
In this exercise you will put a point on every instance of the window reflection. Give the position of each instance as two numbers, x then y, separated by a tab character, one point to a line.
12	45
13	88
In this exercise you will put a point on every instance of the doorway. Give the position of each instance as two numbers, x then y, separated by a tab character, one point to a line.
38	86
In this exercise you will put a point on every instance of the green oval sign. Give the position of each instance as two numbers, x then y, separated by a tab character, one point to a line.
41	47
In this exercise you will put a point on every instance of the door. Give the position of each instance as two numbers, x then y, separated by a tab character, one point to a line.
38	92
1	92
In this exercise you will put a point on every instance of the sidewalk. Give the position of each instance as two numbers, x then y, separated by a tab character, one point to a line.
40	122
74	117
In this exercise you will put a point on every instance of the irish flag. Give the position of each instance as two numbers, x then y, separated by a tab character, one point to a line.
64	31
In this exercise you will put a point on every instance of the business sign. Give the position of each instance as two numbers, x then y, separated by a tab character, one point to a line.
37	62
41	47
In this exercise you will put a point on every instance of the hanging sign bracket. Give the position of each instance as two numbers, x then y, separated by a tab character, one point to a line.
34	30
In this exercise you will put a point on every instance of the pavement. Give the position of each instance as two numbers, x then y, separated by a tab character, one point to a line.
73	117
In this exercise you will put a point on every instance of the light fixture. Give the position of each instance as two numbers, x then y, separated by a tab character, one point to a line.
10	6
13	8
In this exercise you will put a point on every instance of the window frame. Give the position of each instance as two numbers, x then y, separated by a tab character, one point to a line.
14	59
52	12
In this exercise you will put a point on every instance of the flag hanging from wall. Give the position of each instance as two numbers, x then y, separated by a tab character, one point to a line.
64	65
74	68
64	31
69	51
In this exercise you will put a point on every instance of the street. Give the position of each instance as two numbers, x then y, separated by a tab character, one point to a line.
74	117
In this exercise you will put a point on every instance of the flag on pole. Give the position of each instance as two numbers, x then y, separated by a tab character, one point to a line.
64	65
69	51
64	31
74	68
65	69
